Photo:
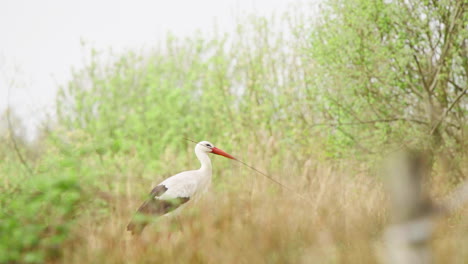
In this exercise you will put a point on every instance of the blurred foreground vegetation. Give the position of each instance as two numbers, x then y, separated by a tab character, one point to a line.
314	101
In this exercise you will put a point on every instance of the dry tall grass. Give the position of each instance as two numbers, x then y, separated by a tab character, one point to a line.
245	218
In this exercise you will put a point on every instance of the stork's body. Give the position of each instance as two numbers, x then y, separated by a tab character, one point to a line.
171	193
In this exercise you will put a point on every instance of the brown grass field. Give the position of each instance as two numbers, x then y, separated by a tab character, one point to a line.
245	218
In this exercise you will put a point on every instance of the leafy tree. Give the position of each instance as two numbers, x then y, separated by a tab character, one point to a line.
394	71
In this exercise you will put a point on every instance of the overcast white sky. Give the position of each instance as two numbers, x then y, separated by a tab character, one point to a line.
40	40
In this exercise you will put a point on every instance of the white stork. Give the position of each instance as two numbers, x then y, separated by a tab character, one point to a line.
178	189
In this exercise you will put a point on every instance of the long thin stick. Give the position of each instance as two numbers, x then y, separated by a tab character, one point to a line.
265	175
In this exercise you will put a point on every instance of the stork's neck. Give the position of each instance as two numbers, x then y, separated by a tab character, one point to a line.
204	160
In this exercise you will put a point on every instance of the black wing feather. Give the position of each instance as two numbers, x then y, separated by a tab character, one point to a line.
154	206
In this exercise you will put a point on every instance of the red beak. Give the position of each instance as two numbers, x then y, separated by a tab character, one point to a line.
220	152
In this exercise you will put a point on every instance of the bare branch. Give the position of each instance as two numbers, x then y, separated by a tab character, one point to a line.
15	144
12	137
447	44
458	87
448	110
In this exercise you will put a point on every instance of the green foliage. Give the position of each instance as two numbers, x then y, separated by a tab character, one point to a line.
393	72
278	92
198	88
127	118
36	214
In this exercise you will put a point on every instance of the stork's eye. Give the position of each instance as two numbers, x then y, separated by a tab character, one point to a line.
208	145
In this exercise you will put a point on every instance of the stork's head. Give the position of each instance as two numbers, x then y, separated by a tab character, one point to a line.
208	147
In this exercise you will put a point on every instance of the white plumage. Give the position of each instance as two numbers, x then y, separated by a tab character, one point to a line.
184	184
178	189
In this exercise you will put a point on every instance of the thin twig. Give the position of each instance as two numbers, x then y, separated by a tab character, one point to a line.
267	176
275	181
13	139
448	110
